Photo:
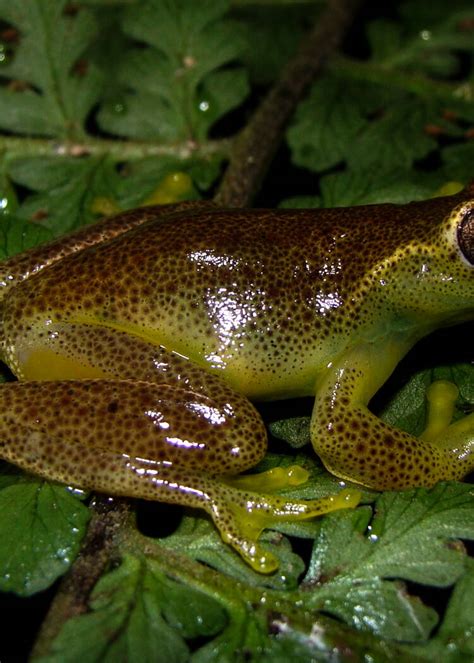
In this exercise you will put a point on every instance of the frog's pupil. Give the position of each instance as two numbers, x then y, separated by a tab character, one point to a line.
466	236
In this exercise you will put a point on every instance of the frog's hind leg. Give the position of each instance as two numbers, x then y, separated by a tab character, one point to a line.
155	442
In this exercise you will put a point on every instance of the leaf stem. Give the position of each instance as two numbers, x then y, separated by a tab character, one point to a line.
422	86
254	150
117	149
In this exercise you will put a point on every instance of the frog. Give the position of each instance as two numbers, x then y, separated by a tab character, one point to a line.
141	344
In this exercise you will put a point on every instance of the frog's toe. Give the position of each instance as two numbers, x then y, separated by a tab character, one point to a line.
441	397
270	481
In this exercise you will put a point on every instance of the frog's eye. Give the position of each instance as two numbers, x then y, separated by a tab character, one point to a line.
466	236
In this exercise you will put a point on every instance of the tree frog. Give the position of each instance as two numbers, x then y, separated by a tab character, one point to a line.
140	342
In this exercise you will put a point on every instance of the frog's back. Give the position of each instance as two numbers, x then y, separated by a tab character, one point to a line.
264	296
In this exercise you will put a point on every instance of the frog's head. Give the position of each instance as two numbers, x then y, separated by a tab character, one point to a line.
430	276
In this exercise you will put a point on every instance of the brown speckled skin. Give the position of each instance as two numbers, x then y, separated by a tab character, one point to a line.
204	307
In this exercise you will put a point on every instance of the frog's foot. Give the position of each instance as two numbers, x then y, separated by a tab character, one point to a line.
242	516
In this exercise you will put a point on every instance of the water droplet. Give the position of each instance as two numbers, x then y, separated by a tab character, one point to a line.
426	35
119	108
204	105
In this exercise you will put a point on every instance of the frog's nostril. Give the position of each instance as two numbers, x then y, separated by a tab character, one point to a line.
466	235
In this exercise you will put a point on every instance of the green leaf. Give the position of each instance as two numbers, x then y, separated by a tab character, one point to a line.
425	42
454	641
326	124
458	161
397	139
9	475
334	124
277	31
67	189
199	539
411	537
385	38
175	89
373	185
52	98
138	614
295	431
41	528
17	235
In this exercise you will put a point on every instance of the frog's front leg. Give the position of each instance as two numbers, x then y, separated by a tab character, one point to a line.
356	445
151	441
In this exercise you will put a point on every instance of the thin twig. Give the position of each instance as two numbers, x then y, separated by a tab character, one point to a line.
109	517
255	148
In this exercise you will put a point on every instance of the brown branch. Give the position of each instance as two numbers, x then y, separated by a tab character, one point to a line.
259	141
109	517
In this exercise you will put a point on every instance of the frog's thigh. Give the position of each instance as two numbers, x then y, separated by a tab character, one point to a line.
71	350
151	441
356	445
162	423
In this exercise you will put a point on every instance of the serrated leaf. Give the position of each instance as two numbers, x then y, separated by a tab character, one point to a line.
199	539
66	189
277	30
55	100
9	475
397	139
454	640
458	161
385	38
325	124
374	185
41	528
17	235
368	187
430	44
412	537
295	431
175	89
137	614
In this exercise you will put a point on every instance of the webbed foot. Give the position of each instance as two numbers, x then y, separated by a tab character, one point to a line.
242	516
